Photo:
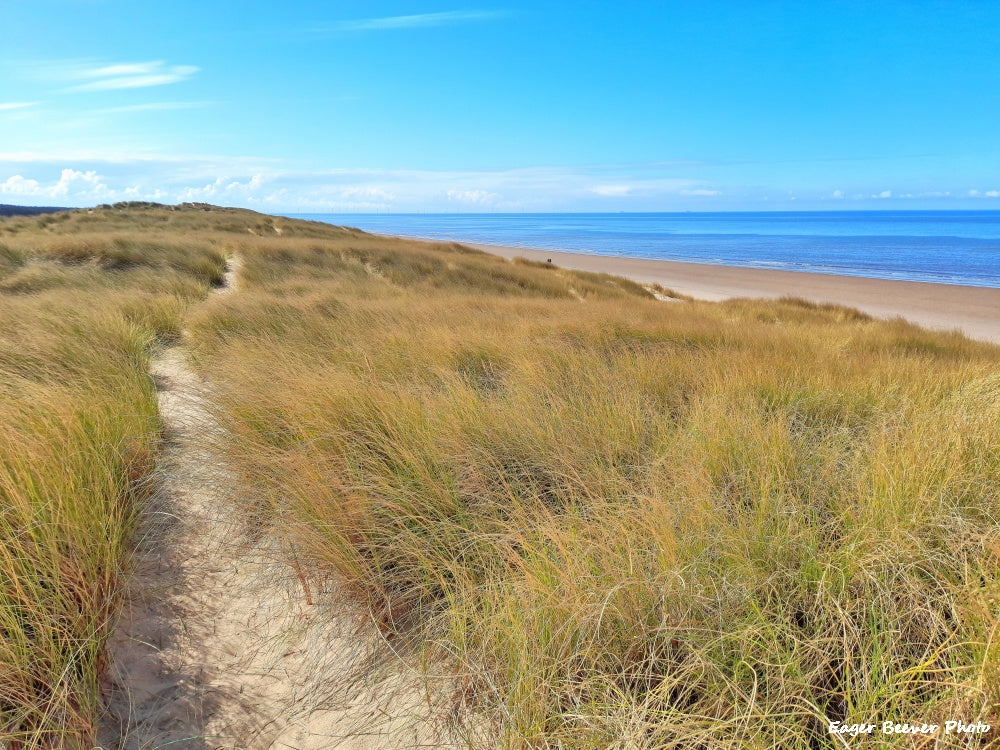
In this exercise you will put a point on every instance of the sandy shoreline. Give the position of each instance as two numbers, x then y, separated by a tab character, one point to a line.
972	309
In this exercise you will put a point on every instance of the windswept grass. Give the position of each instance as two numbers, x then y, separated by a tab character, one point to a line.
619	522
614	522
80	314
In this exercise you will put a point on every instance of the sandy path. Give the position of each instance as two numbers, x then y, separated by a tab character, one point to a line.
217	647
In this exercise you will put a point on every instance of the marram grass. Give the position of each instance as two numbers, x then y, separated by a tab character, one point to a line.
618	522
78	437
608	521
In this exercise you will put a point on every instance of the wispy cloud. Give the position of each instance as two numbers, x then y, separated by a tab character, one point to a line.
611	190
7	106
123	69
418	21
474	197
129	76
154	107
650	187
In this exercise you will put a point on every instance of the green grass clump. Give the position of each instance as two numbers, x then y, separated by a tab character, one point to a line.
619	522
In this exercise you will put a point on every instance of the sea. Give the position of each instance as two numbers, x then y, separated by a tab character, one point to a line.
952	247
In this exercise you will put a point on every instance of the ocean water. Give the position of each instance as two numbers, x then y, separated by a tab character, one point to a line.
953	247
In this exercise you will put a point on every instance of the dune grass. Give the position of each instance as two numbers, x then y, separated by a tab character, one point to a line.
82	307
606	520
617	522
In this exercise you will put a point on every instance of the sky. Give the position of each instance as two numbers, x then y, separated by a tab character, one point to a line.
502	106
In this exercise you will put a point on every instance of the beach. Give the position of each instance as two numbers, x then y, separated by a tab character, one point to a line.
973	310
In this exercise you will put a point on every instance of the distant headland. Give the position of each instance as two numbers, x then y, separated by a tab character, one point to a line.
8	210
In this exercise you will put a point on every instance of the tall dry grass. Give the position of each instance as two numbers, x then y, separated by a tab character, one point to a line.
615	522
619	522
83	304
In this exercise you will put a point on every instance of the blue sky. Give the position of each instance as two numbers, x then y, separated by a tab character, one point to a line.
506	106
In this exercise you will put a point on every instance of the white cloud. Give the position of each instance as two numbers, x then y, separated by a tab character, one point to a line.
611	190
129	76
123	69
71	180
422	20
474	197
651	188
71	183
992	193
7	106
204	192
973	193
109	177
270	185
700	191
367	192
19	185
837	194
883	194
226	189
154	107
252	184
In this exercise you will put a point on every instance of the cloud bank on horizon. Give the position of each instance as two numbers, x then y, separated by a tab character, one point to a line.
542	106
345	190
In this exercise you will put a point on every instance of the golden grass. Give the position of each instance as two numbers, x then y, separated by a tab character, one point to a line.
80	314
623	523
615	522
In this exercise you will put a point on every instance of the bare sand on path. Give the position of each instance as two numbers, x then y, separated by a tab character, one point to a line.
217	647
973	310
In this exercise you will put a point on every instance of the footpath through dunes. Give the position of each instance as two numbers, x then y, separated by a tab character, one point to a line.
218	647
